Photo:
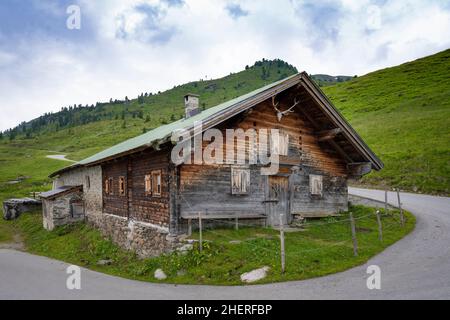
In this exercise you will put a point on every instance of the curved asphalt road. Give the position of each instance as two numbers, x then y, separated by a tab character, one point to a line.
416	267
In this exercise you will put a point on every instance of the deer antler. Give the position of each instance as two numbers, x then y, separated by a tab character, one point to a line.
280	113
275	105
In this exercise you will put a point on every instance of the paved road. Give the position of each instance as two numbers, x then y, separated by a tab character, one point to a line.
417	267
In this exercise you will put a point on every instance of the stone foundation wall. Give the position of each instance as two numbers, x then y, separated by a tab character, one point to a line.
143	238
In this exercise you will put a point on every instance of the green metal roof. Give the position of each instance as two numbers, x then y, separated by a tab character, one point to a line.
165	131
220	112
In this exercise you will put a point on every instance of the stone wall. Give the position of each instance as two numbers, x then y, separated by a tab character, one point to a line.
143	238
60	211
91	180
13	208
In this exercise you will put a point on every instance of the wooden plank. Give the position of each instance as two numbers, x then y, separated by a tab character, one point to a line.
380	226
329	134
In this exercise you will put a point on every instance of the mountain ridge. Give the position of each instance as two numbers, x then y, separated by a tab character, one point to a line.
401	112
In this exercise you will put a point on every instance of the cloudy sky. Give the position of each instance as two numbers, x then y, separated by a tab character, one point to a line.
125	47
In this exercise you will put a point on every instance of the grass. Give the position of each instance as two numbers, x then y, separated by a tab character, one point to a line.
32	166
323	248
403	113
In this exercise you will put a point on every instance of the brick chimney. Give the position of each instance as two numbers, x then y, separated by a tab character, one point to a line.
191	105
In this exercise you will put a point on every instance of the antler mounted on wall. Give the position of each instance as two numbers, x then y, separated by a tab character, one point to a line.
280	113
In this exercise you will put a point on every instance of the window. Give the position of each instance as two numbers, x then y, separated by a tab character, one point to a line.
240	181
122	187
88	182
153	183
109	186
280	147
315	185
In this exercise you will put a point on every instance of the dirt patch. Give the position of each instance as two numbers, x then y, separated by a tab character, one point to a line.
363	230
17	244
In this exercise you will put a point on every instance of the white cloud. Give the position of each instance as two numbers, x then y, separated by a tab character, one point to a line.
166	45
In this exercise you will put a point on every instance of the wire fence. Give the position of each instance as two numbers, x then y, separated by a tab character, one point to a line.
378	216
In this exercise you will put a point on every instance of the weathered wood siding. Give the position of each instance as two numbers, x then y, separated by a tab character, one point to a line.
146	207
207	189
136	204
113	202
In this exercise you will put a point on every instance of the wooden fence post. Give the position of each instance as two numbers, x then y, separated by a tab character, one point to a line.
189	227
386	201
355	241
380	227
402	218
283	254
200	227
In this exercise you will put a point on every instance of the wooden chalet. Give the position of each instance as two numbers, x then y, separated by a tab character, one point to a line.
137	181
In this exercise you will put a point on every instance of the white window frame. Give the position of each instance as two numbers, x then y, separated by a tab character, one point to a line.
316	185
280	147
240	181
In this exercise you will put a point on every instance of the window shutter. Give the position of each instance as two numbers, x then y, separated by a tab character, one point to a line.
316	184
240	181
280	146
148	184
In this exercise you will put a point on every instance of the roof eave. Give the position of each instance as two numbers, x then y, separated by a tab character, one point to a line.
339	120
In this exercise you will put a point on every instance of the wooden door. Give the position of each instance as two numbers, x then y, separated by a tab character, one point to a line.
278	199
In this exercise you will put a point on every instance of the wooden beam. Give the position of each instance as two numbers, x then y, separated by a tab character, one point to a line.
340	151
310	119
331	142
329	134
359	168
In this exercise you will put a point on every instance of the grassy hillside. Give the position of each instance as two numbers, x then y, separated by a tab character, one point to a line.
324	80
403	113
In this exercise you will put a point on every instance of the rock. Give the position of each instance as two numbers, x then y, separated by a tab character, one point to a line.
235	242
13	208
160	275
104	262
181	273
254	275
186	247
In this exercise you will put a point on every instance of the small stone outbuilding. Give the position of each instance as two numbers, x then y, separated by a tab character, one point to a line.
63	205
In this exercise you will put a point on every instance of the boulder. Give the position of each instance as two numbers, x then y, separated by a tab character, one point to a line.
13	208
104	262
160	275
254	275
186	247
